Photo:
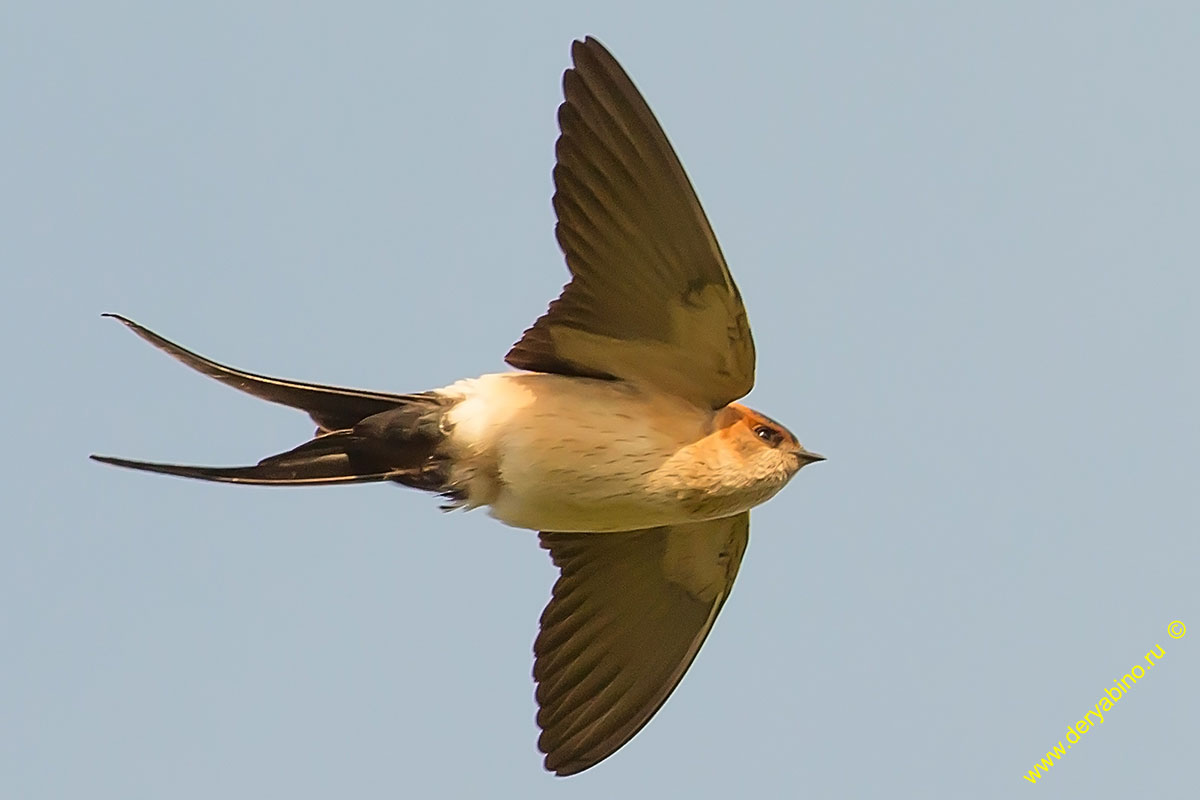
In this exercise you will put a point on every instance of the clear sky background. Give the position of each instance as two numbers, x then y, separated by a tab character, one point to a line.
967	238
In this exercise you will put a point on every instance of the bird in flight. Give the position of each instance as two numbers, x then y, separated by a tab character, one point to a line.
617	437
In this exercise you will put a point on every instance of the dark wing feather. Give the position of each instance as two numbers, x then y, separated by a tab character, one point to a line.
627	617
651	298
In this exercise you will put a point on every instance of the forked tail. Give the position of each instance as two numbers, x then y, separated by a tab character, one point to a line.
362	437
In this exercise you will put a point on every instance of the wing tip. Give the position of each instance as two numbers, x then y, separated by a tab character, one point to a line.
565	771
564	764
588	42
591	52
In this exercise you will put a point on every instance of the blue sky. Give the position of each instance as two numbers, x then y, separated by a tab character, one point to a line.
966	235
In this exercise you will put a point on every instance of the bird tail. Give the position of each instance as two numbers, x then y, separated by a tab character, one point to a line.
331	458
362	436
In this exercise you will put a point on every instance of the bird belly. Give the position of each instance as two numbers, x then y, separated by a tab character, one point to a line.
558	453
617	481
608	489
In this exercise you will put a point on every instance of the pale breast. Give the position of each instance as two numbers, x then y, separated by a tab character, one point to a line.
550	452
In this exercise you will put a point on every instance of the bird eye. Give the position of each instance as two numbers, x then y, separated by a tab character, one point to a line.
768	435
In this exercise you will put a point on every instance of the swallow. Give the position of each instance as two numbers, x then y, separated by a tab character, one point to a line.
617	437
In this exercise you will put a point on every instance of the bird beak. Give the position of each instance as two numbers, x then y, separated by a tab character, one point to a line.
808	456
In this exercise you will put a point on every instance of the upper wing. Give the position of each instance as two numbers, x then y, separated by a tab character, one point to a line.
627	616
650	296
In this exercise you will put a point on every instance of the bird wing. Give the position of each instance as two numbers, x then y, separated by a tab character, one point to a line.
650	298
627	616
